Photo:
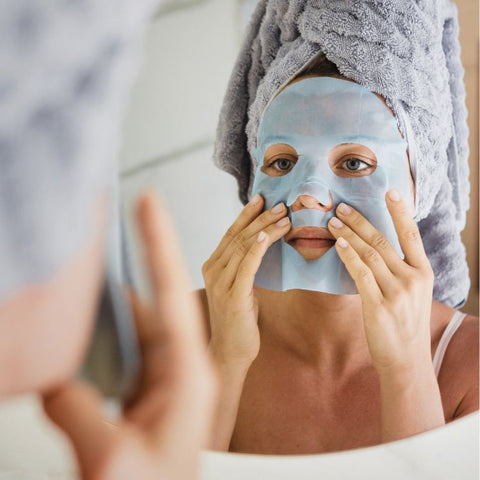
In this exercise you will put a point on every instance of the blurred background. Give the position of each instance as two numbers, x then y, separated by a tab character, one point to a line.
170	126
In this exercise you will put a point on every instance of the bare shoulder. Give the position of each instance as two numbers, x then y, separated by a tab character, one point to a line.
458	377
201	296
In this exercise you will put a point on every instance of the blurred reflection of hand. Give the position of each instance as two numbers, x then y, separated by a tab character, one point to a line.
167	422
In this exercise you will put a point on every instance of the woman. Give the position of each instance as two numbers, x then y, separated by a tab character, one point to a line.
308	371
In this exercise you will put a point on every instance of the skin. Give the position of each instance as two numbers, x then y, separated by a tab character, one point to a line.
175	392
33	317
310	372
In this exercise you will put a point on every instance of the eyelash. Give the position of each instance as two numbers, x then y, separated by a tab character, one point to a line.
274	164
342	164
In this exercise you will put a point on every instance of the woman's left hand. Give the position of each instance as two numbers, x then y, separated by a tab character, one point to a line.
167	422
396	293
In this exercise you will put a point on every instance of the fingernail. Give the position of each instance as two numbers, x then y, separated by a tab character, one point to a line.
283	222
278	208
255	199
394	195
336	223
342	243
344	209
260	237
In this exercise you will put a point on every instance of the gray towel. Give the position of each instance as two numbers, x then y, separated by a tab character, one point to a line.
65	72
405	50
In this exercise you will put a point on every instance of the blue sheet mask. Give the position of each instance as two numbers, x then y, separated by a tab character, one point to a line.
313	116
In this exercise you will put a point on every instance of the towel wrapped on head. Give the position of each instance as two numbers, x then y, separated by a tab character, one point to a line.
405	50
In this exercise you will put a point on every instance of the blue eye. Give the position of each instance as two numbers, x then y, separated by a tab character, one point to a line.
283	164
354	165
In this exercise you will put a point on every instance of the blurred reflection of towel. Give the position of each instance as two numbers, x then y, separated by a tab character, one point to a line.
65	71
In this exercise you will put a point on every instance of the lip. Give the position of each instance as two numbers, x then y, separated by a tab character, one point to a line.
309	233
310	242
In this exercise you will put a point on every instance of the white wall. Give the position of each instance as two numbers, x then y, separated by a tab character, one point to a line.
170	126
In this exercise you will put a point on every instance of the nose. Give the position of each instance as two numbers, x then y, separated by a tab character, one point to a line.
307	201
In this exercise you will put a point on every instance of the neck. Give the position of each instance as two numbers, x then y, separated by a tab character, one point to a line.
320	328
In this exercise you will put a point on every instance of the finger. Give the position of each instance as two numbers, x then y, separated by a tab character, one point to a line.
175	334
251	211
266	219
250	264
274	233
367	232
159	381
76	409
179	314
407	231
366	254
161	247
183	353
360	273
154	356
142	316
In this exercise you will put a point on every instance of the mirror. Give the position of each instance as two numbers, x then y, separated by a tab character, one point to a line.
444	453
168	144
449	452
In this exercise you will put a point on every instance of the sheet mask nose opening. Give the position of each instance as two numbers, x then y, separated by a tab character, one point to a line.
316	190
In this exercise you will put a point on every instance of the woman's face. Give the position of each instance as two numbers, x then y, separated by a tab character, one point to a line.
322	141
346	161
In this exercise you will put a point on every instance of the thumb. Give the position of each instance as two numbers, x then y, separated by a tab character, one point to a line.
76	409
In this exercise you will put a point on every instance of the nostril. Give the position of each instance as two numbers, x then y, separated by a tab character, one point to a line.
330	203
308	201
326	206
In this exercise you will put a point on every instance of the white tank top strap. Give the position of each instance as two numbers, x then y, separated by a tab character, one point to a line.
451	328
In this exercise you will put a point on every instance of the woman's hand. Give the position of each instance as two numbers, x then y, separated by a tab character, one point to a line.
166	424
396	298
396	293
229	275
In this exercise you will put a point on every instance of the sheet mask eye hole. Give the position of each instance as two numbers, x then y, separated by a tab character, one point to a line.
279	159
352	160
283	164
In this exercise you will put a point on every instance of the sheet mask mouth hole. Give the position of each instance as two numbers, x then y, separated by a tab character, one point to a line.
310	242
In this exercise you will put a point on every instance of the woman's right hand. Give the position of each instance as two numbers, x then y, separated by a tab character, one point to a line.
229	275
